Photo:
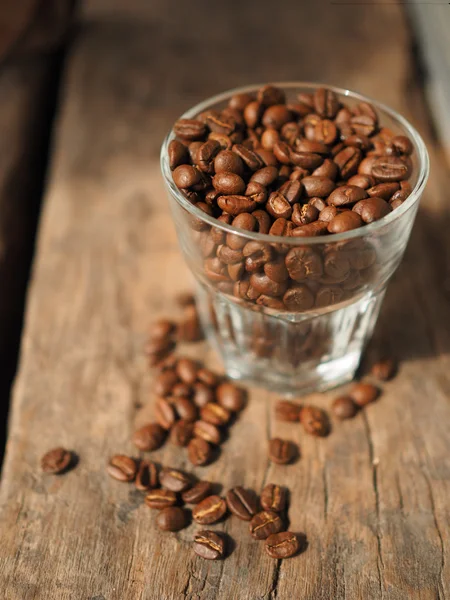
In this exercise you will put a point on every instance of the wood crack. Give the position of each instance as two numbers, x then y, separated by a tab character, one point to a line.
325	491
374	465
273	593
441	540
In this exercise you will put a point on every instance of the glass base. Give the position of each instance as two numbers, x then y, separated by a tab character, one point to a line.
292	354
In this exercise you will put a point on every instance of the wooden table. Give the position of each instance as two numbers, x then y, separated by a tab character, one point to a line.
373	498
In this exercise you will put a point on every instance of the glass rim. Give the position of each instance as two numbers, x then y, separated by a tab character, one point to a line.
419	146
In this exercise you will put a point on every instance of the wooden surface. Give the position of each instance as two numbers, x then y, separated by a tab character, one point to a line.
373	497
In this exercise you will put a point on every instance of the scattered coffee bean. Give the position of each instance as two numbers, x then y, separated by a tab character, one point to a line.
203	394
274	498
230	396
197	492
242	503
209	545
187	370
171	518
159	499
181	433
210	510
384	369
344	407
282	545
56	461
174	480
164	413
207	431
122	468
150	437
314	421
165	382
147	476
364	393
184	408
215	414
281	451
265	523
200	451
285	410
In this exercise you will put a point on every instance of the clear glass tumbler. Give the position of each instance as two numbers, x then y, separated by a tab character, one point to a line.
315	340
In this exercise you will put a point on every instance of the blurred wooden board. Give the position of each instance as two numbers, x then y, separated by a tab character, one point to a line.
373	497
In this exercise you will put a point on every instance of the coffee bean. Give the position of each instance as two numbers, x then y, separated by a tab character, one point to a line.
172	518
265	176
363	181
147	476
311	230
181	433
344	407
298	298
210	510
242	503
345	222
384	190
174	480
178	154
160	499
256	255
199	451
359	141
150	437
348	161
122	468
303	215
274	498
215	414
391	168
208	377
56	461
230	396
276	270
285	410
326	103
276	116
235	204
306	160
282	545
228	161
278	206
187	370
281	451
303	263
384	369
314	421
197	492
265	523
202	394
209	545
269	95
264	285
336	266
319	187
165	382
402	144
185	408
372	209
186	176
364	393
239	101
164	413
207	431
189	129
328	295
161	329
226	182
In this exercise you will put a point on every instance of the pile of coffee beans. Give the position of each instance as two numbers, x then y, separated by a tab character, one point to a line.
169	490
309	167
194	409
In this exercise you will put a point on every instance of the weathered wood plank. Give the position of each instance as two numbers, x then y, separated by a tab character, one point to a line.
371	498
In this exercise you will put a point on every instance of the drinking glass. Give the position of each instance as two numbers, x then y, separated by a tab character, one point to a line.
315	340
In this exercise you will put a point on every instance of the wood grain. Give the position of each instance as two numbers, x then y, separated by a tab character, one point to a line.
372	498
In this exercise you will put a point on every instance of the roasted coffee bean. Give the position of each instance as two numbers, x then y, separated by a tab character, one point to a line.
164	413
253	113
199	451
281	227
226	182
285	410
215	414
402	144
159	499
239	101
365	108
344	407
189	129
363	181
229	162
276	270
193	149
391	168
184	407
328	213
270	137
336	265
292	191
178	154
372	209
303	215
256	192
174	480
228	256
281	451
236	271
172	518
158	350
165	382
207	377
303	263
314	421
326	103
265	523
207	431
328	295
384	369
223	140
365	166
168	364
58	460
147	476
269	95
190	329
276	116
264	221
242	503
186	176
364	393
270	302
209	545
282	151
210	510
187	370
348	161
120	467
363	124
264	285
343	116
222	123
202	394
249	157
311	230
197	492
161	329
345	222
278	206
244	221
282	545
317	203
359	141
150	437
235	204
274	498
265	176
306	160
325	131
319	187
206	155
181	433
230	396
